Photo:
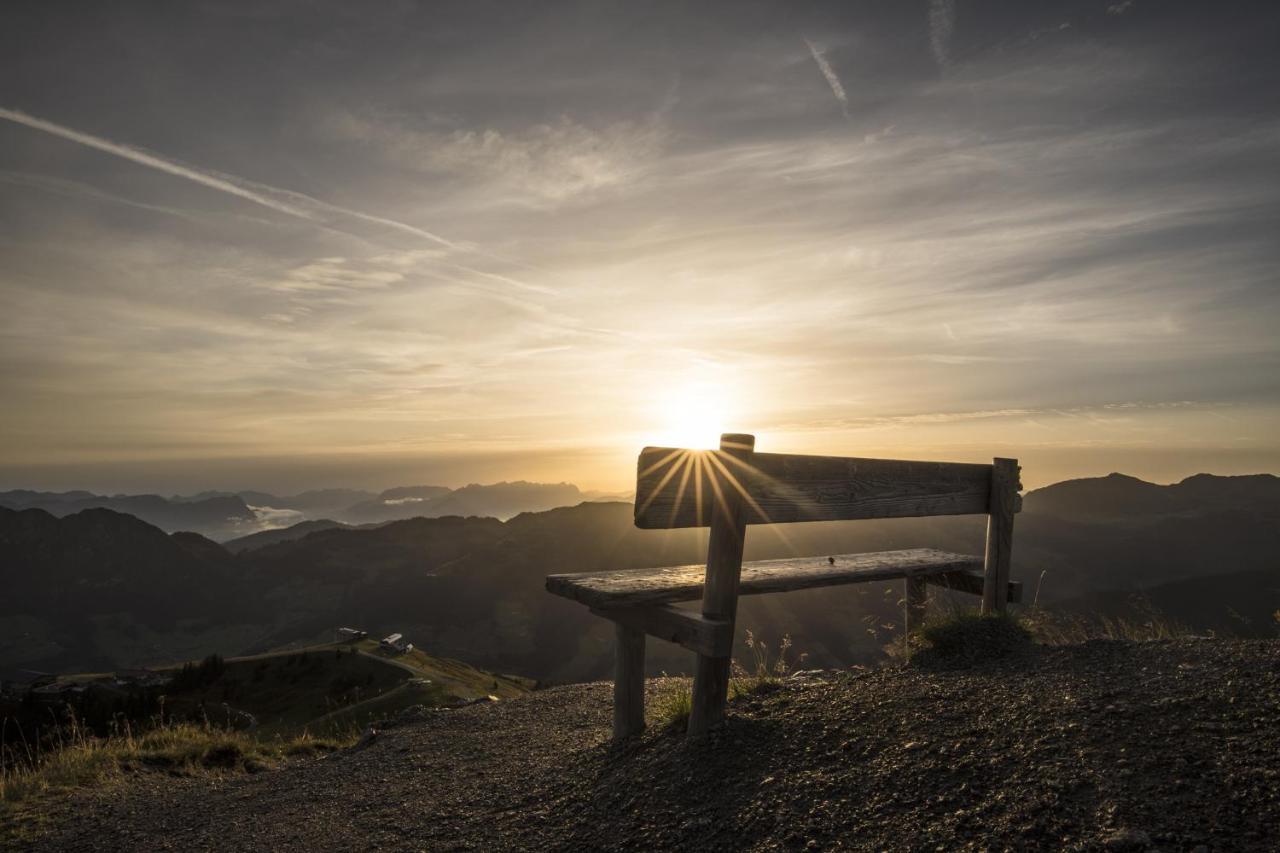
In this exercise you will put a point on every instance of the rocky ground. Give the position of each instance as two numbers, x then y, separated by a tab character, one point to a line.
1103	746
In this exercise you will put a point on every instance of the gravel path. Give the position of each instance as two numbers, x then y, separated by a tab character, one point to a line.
1116	746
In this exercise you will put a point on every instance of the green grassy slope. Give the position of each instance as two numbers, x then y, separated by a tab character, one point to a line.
291	691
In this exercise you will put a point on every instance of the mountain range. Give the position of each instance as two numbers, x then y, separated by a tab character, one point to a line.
98	588
226	516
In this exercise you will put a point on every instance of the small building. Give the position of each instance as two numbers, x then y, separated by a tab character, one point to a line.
53	694
351	635
395	643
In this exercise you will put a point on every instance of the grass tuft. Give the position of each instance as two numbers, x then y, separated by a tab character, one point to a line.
84	760
1056	628
672	705
766	670
967	637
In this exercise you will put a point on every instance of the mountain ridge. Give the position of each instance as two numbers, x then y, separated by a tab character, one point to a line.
472	587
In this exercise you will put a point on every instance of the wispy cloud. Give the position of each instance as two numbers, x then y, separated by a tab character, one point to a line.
544	165
833	79
284	201
223	183
942	20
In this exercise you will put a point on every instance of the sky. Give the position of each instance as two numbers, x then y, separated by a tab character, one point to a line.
283	245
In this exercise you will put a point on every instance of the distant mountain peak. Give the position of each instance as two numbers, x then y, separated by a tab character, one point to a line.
1120	496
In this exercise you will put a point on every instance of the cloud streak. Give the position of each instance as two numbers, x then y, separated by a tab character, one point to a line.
284	201
833	80
942	20
213	180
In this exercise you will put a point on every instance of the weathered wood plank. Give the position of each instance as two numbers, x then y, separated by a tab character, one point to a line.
1004	493
697	633
720	591
628	682
638	587
679	488
972	582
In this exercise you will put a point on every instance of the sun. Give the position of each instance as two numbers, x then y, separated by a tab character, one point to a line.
693	416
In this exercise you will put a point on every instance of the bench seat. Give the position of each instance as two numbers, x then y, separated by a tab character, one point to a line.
629	588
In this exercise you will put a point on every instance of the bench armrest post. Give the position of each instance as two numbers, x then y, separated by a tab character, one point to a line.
724	568
1004	494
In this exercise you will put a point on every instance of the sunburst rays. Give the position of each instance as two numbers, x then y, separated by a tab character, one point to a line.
688	486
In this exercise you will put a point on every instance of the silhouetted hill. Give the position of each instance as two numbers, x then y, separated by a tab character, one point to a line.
281	534
94	588
497	500
472	588
1121	533
503	500
1120	498
413	493
1228	604
216	515
316	500
393	504
225	516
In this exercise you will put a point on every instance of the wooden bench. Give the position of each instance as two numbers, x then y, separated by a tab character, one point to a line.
729	488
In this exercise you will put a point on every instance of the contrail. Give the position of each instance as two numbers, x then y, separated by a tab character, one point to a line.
833	80
281	200
942	19
213	180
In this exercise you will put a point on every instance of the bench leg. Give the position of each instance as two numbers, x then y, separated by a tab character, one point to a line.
710	693
628	682
917	602
1004	498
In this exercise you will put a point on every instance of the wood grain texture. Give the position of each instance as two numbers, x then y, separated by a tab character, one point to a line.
638	587
628	682
972	582
693	631
674	487
999	551
720	587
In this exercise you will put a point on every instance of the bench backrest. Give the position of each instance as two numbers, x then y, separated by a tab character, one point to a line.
684	488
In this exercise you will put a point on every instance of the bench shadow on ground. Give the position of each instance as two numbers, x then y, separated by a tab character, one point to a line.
687	783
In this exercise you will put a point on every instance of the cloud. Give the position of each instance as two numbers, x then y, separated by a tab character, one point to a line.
328	275
987	256
942	19
545	163
833	80
223	183
283	201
